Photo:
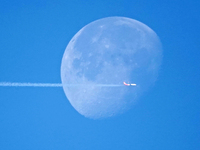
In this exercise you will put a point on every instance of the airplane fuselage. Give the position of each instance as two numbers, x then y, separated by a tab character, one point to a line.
127	84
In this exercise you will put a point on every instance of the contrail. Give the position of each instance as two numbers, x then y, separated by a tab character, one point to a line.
17	84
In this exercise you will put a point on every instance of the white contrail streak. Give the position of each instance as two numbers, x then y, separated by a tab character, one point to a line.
17	84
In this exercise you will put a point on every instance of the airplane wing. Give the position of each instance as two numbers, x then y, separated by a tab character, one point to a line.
126	84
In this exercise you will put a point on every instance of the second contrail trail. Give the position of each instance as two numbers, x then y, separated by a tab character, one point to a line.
17	84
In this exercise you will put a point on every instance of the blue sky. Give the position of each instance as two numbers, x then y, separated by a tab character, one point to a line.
33	37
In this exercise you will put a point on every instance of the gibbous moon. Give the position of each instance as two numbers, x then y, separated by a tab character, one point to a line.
110	51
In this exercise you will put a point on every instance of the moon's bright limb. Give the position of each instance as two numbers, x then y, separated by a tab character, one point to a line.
110	51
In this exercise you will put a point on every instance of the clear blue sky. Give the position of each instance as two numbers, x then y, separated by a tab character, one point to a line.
33	37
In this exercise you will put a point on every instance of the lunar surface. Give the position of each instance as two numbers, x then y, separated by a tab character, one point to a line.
110	51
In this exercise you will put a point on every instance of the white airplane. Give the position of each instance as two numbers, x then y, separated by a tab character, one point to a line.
127	84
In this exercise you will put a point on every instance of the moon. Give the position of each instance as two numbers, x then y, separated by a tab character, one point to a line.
110	51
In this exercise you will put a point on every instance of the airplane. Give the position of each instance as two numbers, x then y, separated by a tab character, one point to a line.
127	84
